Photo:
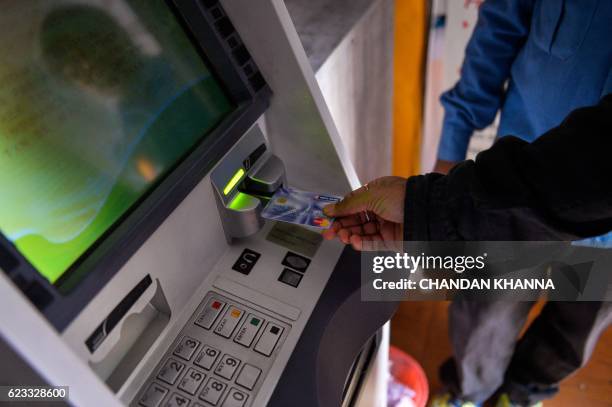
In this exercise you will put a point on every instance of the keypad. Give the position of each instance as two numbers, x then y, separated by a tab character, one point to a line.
220	358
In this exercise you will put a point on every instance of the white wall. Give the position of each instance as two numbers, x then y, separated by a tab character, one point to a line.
445	54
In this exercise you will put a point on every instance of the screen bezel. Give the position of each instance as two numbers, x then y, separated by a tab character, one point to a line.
60	302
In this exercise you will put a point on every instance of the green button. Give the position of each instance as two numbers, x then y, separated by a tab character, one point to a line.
255	321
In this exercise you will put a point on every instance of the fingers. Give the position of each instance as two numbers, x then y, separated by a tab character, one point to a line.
345	223
360	235
388	232
370	228
366	242
354	203
348	221
340	223
344	235
383	197
329	234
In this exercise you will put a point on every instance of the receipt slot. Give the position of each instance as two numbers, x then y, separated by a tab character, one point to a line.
243	183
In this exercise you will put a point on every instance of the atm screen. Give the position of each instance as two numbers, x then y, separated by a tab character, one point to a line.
99	100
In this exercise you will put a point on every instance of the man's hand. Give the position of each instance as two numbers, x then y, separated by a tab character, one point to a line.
373	213
443	167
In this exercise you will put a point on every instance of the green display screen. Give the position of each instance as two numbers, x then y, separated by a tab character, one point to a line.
98	101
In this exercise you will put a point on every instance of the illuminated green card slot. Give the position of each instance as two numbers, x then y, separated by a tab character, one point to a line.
233	182
243	201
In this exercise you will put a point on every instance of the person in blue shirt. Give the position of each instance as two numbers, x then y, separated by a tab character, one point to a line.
534	61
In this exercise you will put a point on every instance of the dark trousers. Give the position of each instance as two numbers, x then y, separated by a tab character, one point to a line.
487	356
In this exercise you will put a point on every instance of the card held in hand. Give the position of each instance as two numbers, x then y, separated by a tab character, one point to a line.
299	207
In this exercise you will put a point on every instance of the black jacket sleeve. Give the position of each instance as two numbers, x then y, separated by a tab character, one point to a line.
557	188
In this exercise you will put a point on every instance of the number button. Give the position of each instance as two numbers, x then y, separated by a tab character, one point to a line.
186	348
176	400
153	396
227	366
206	359
213	391
171	371
191	381
235	398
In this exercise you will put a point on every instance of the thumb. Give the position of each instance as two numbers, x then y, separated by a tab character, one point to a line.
355	202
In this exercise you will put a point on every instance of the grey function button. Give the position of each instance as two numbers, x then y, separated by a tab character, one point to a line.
191	381
153	396
249	329
235	398
186	348
228	322
268	340
170	371
227	367
248	376
209	313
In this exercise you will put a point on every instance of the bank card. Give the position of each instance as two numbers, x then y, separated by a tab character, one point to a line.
299	207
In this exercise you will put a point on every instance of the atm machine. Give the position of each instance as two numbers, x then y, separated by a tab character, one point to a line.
139	142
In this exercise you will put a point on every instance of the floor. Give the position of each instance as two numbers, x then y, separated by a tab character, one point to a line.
420	328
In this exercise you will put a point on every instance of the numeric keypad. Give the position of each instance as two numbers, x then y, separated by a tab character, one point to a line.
219	359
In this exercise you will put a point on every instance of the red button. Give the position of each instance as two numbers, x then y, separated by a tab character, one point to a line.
216	305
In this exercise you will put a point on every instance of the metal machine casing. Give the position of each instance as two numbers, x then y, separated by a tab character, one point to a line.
186	255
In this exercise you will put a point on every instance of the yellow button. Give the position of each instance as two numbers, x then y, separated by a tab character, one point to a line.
236	313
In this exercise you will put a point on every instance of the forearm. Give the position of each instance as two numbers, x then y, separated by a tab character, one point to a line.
557	188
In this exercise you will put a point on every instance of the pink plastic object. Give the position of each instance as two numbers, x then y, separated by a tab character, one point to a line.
407	372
